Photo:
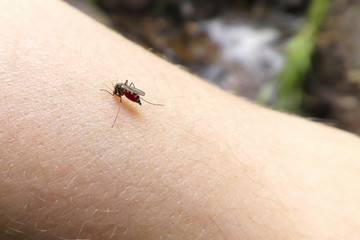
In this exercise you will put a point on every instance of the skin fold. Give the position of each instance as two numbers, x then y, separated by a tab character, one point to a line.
206	165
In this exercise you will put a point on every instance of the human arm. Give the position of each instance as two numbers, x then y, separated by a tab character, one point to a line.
207	165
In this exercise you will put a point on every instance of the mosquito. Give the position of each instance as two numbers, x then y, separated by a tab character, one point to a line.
130	92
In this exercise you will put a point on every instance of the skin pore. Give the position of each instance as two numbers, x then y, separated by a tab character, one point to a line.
206	165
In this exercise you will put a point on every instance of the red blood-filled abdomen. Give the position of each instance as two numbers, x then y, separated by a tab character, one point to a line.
132	96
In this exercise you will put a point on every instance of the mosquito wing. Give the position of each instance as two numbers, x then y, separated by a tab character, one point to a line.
139	92
133	89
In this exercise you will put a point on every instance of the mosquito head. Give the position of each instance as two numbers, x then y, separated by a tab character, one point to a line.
118	89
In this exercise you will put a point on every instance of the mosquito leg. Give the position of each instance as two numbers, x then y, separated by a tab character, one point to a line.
107	91
117	114
156	104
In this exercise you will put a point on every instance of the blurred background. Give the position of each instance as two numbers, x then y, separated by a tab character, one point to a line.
296	56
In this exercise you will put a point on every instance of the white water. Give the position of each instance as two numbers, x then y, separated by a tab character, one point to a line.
248	56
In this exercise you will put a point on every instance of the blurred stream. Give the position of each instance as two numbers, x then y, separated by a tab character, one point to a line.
248	56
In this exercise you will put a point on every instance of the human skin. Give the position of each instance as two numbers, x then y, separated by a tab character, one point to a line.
206	165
